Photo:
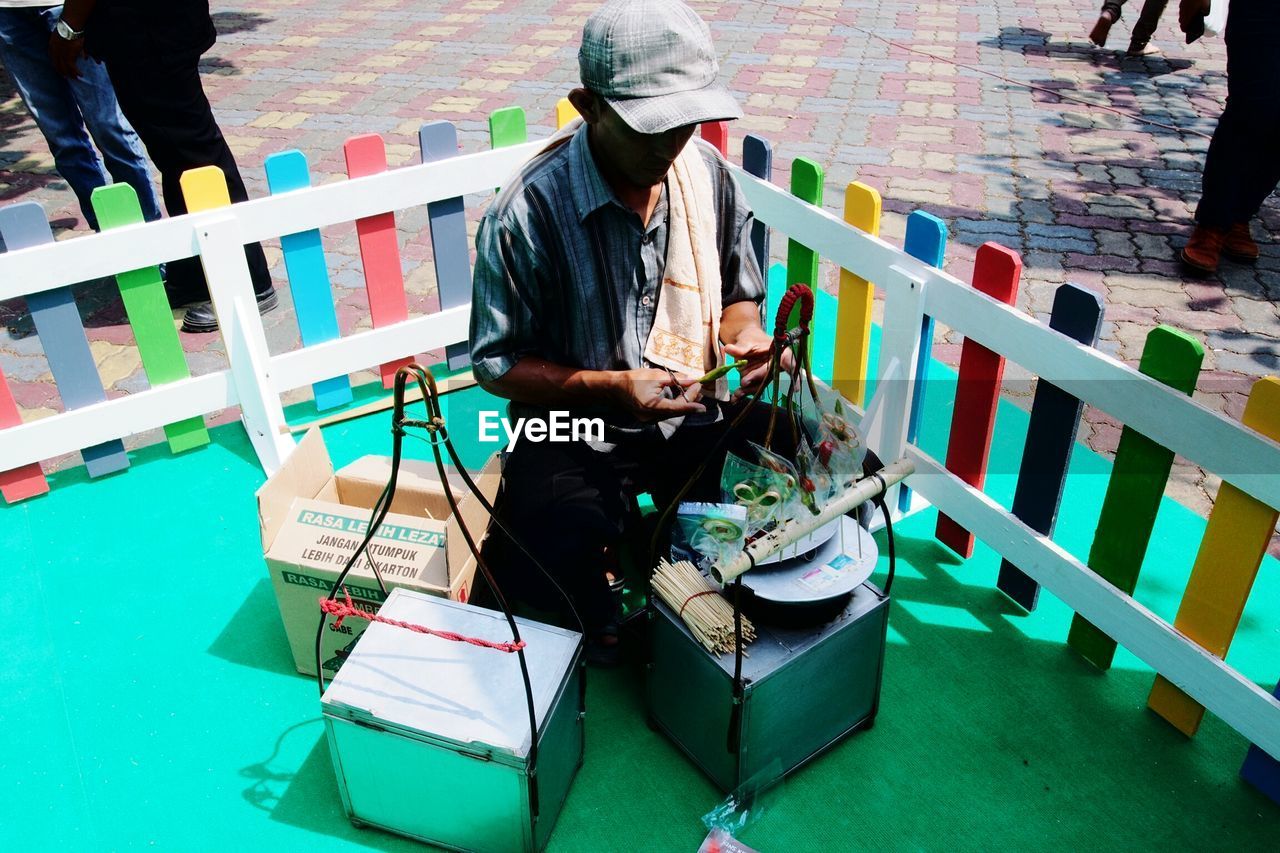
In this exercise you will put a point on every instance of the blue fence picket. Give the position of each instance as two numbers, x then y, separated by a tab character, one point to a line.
926	240
1261	770
308	276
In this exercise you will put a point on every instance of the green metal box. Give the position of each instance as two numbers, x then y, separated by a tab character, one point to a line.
430	738
805	689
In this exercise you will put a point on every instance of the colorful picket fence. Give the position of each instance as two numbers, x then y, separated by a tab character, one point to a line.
1152	401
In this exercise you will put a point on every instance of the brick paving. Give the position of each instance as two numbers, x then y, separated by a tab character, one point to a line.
1086	194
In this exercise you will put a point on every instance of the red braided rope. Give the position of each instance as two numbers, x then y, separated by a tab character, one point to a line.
692	597
344	609
796	293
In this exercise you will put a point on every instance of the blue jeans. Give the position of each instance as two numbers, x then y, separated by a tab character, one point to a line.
63	109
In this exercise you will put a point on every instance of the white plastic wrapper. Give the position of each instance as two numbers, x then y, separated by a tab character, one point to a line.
707	532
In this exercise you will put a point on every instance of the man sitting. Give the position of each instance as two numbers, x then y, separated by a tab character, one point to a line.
612	271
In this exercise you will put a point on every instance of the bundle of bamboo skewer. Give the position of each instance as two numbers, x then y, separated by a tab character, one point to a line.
698	602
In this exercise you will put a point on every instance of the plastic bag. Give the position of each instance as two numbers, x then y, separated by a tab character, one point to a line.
706	533
761	492
815	477
1215	23
830	427
753	799
836	422
795	498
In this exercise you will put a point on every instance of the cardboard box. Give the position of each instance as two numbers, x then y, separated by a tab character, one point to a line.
312	519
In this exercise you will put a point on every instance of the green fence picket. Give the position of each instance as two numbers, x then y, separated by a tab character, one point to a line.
507	127
1138	478
142	291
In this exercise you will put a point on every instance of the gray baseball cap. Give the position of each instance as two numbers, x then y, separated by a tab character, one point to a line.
654	63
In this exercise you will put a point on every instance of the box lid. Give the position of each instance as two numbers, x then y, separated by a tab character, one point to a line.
418	489
440	690
304	474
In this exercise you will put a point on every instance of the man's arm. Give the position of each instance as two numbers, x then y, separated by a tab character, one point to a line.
743	288
744	338
65	54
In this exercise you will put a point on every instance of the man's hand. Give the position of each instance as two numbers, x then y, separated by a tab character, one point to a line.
755	344
644	393
65	54
1190	11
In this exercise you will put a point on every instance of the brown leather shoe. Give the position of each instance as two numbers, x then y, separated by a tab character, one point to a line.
1098	35
1239	245
1204	248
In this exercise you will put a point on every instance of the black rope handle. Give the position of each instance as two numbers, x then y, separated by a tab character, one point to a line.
435	424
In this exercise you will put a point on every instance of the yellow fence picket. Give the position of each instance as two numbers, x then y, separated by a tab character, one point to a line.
853	311
565	113
1235	540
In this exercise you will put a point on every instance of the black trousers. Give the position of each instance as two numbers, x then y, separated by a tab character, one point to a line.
1243	164
567	504
166	104
1148	19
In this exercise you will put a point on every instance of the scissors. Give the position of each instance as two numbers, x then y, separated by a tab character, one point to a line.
758	500
675	386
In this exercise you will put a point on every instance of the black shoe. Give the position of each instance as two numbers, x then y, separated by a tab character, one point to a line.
201	318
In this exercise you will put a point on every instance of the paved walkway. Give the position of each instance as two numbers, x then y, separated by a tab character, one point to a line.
958	108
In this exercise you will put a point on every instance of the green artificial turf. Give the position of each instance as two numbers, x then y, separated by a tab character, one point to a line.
150	699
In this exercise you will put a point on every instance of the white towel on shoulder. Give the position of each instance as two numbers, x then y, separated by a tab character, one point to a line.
686	328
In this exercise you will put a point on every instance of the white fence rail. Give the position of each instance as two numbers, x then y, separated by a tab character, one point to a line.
912	289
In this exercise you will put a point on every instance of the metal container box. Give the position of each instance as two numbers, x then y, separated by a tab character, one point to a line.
430	738
805	689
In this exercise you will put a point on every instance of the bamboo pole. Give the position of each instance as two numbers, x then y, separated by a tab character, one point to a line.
784	534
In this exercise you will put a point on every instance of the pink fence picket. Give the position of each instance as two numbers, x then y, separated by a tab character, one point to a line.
379	251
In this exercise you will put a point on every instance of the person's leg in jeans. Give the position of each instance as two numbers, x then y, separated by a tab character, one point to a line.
167	106
24	50
121	149
1226	168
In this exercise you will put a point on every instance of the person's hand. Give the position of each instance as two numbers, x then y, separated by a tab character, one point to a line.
755	345
65	55
644	393
1190	11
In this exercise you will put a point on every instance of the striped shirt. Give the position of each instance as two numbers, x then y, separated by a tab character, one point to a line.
566	272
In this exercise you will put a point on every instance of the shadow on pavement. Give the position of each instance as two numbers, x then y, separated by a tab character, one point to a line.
227	23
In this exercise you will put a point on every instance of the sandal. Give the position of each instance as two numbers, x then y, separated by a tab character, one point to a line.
1141	51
